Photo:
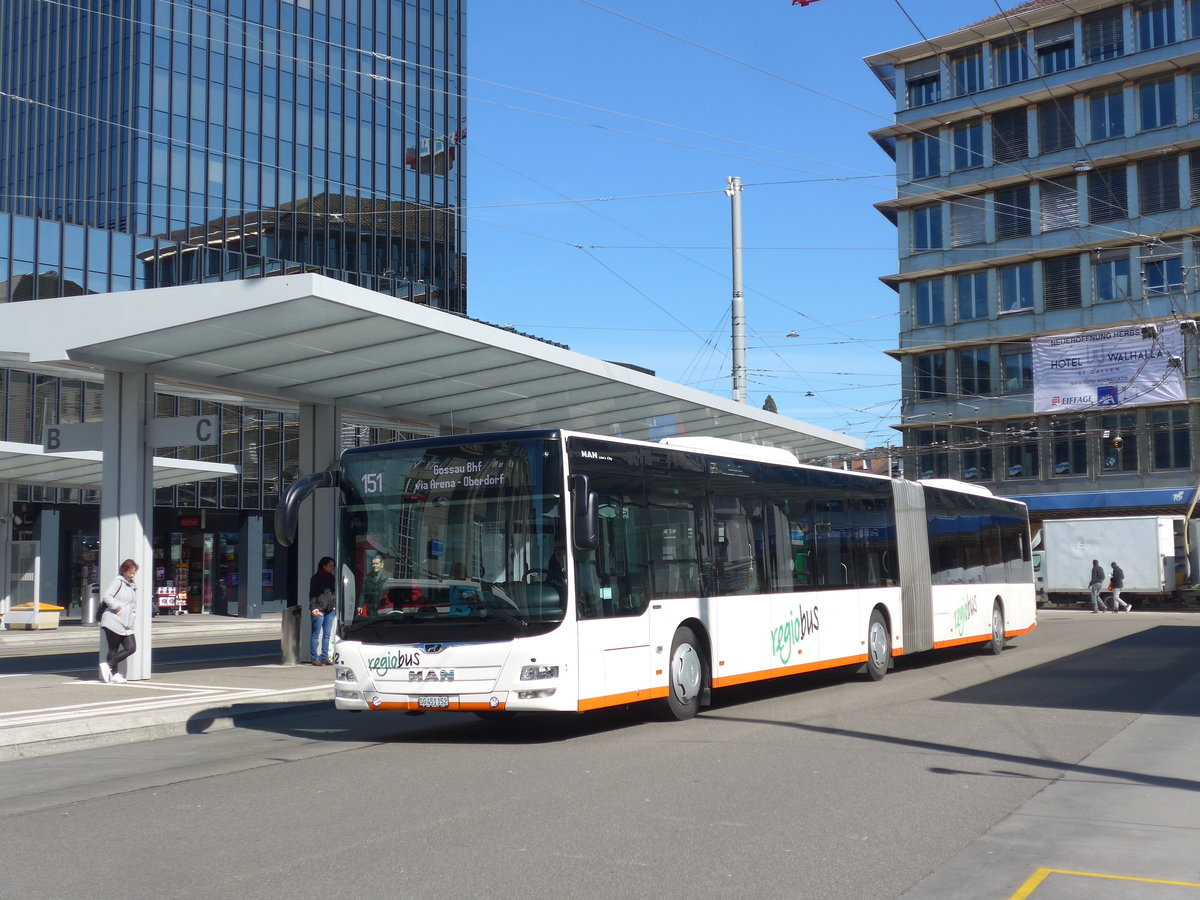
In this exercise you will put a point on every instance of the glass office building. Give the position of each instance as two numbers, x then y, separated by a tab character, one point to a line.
149	143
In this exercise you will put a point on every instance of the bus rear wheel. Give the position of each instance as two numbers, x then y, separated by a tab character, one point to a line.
996	643
879	646
686	675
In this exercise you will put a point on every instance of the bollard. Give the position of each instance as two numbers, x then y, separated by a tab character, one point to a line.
289	639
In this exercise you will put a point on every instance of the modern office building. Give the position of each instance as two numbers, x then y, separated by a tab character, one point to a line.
1048	212
151	143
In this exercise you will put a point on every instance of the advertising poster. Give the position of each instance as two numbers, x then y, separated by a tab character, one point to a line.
1107	367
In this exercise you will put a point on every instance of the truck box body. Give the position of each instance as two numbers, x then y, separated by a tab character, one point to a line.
1147	548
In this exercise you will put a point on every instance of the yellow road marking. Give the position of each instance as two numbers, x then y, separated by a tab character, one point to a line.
1027	889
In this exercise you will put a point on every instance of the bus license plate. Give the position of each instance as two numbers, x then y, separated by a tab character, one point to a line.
434	702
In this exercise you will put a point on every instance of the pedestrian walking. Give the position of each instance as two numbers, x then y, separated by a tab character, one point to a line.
323	607
1095	585
1118	582
116	622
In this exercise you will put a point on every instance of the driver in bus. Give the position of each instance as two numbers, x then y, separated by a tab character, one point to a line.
373	587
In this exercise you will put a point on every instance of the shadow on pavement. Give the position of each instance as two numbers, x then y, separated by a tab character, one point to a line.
1132	674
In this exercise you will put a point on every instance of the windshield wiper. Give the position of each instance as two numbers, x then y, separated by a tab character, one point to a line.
484	609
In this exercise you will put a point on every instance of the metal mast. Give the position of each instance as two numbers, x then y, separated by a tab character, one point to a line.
733	191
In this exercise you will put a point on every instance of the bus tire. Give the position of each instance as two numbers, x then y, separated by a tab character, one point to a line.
879	646
686	674
995	643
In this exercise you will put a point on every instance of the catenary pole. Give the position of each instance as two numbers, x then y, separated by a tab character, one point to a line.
733	191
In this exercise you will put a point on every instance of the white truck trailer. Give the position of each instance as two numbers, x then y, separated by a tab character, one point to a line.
1151	550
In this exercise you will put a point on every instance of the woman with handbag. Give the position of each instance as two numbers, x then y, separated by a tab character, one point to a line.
323	607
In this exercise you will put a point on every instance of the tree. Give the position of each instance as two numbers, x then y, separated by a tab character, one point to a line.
769	404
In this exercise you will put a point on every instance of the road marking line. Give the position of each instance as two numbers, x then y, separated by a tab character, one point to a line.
1026	890
135	705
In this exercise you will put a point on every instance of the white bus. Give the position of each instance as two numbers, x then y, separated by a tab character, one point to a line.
555	570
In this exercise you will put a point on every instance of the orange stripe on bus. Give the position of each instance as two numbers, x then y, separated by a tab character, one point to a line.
782	671
981	638
621	699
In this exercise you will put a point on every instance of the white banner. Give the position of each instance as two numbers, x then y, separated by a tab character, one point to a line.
1107	367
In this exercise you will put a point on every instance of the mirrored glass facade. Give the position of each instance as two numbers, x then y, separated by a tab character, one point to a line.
148	143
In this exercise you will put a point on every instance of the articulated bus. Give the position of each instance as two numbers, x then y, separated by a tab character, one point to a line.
559	571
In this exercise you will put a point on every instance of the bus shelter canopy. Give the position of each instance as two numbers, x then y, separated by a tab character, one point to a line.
308	339
30	464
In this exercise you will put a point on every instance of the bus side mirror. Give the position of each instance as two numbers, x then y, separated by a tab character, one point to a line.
586	519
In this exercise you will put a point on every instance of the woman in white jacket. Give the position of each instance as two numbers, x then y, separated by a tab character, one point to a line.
120	610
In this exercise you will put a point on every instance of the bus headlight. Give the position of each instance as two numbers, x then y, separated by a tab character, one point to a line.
342	673
534	673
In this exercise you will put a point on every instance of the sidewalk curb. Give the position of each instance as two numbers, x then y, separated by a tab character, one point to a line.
87	733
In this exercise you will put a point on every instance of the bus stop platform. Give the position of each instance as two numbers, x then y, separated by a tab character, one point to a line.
53	701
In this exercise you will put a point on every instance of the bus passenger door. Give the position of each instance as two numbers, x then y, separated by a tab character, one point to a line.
611	591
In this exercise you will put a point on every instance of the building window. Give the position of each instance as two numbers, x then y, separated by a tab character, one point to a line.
1155	24
1016	367
966	72
1118	443
1056	125
1157	103
1162	276
1110	275
931	462
929	376
923	82
1010	135
1106	112
967	222
1012	213
975	372
1069	444
1158	185
926	156
1061	283
929	302
1193	15
1059	204
976	454
1016	288
1021	457
1170	442
1194	175
971	290
1103	35
1108	194
1055	46
968	145
927	228
1010	61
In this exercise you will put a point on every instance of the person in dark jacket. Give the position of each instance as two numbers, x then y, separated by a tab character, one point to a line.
323	606
1118	582
1095	584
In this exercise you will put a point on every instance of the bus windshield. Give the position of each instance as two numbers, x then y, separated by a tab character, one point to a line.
453	542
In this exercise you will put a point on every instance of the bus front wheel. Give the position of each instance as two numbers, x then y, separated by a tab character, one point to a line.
879	646
685	678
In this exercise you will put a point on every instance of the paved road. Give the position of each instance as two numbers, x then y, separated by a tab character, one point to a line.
822	788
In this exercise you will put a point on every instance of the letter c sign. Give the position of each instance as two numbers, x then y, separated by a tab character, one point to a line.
204	430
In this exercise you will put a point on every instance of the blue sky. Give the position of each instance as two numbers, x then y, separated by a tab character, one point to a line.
600	136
